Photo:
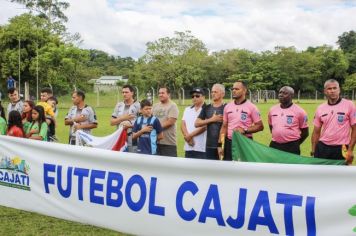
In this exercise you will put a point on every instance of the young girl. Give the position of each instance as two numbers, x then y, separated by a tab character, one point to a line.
15	127
38	128
3	125
27	114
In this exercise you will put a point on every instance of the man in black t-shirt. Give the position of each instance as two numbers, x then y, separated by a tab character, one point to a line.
212	117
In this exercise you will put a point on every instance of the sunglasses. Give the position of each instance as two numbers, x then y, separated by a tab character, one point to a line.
196	96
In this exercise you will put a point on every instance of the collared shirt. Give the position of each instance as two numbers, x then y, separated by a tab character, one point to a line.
241	115
87	111
287	123
122	109
189	116
18	106
336	121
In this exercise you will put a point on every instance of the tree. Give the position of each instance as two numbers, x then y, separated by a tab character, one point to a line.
176	62
347	42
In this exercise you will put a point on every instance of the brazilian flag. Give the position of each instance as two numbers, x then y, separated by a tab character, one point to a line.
245	149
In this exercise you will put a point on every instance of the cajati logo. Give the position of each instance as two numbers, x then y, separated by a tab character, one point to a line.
14	173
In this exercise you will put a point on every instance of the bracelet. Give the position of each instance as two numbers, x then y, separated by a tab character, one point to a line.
219	144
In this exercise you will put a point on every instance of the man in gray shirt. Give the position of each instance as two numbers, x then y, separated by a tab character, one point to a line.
80	116
167	112
15	102
125	114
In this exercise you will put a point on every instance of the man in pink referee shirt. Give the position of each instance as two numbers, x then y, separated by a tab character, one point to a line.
288	123
333	122
240	115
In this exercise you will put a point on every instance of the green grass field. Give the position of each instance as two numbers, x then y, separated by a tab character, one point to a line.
16	222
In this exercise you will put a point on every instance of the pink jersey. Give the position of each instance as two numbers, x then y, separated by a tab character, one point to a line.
286	123
240	116
336	121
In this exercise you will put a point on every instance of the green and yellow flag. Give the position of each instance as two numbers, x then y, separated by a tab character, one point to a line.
247	150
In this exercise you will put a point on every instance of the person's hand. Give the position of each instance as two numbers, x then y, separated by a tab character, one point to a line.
221	153
349	157
33	131
216	118
240	130
147	129
191	143
187	138
128	117
126	124
76	127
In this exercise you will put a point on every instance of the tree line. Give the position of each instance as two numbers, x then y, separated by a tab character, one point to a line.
38	44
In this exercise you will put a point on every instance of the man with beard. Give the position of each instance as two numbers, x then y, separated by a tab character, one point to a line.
240	115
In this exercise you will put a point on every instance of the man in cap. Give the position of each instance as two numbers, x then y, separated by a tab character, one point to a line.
195	138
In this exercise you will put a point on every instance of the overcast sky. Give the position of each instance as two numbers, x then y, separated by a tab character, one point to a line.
124	27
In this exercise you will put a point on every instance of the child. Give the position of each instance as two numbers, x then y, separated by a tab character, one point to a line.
15	127
27	114
147	129
52	101
3	125
38	128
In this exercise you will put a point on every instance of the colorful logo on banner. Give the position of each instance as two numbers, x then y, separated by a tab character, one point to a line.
14	173
352	212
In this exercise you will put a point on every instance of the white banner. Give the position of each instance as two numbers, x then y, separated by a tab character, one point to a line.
153	195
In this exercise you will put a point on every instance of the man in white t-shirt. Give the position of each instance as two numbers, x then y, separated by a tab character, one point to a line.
195	138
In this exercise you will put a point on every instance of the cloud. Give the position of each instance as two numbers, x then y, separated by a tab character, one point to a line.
124	27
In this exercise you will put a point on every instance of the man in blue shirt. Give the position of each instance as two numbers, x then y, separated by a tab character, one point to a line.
10	82
147	129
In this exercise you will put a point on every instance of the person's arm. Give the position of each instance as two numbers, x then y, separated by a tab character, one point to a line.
160	136
304	134
350	150
183	128
145	129
119	119
168	122
258	126
85	126
315	138
222	135
270	128
215	118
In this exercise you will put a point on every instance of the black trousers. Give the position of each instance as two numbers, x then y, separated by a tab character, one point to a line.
292	147
333	152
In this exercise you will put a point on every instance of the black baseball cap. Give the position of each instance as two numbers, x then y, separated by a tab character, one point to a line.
197	90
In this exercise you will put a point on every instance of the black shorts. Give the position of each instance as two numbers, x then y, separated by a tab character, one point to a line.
291	147
333	152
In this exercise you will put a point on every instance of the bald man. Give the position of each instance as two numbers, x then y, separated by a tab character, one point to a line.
288	123
334	126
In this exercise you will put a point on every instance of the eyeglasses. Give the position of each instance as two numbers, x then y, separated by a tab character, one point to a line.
196	96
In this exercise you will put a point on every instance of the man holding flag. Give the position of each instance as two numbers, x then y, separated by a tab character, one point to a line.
240	115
